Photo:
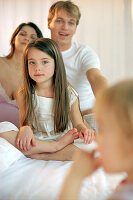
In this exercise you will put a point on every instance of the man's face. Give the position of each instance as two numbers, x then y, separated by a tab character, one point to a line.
63	27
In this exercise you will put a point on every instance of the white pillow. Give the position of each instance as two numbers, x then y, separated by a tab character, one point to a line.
8	153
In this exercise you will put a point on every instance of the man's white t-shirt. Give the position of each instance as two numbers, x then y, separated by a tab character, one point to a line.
78	60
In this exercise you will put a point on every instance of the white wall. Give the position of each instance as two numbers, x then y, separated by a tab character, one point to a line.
106	25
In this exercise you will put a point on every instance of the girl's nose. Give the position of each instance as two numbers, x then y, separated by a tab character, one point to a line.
37	67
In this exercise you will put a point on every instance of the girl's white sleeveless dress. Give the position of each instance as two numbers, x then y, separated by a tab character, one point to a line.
43	123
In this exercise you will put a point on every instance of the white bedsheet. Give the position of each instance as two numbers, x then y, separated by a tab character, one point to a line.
30	179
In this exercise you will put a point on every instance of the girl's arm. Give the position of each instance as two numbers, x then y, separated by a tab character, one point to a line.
25	138
85	131
41	146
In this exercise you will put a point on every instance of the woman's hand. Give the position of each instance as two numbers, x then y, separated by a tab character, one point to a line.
25	138
88	134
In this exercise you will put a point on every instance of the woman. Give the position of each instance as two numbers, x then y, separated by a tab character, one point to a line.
11	70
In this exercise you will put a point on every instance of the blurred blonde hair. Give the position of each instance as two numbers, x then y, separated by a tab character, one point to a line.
119	99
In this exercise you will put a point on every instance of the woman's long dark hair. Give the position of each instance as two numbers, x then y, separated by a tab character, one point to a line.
31	24
61	105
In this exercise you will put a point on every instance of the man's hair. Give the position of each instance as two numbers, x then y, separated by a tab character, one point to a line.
69	6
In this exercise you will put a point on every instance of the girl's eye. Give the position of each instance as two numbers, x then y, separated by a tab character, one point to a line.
44	62
31	62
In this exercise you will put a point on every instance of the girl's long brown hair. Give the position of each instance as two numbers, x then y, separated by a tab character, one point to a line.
61	105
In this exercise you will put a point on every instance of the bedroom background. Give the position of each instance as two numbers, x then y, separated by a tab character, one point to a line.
105	25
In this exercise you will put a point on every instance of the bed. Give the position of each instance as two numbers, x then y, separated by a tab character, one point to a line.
22	178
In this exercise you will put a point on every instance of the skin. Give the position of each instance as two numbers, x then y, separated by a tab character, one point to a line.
41	69
115	148
13	66
42	146
63	27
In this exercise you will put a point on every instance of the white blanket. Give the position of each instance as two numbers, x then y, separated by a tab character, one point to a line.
29	179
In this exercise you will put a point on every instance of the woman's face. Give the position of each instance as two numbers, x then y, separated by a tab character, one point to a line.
24	36
113	143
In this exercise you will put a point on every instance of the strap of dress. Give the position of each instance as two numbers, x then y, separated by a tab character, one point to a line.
73	95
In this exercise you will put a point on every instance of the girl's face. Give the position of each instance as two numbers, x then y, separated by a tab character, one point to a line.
41	67
24	36
113	143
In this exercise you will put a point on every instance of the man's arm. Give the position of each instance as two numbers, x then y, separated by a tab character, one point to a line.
97	80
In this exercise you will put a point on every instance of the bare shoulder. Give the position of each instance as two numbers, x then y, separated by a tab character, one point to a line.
3	70
3	63
2	60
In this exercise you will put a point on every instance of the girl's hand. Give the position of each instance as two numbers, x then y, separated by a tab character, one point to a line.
88	134
25	138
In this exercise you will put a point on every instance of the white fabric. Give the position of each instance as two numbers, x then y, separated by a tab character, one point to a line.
7	126
78	60
90	118
8	154
125	193
30	179
22	178
43	123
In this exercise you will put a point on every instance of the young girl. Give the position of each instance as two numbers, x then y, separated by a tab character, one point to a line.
47	103
114	115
